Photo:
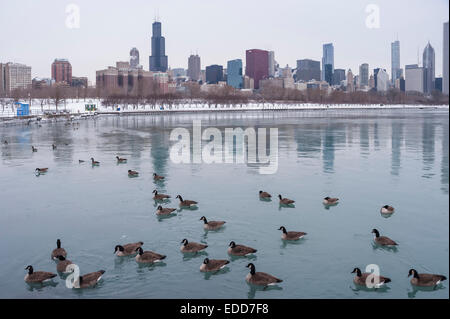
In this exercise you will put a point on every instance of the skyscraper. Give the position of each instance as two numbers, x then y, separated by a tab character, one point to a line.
134	58
414	81
62	71
445	80
350	86
158	59
308	70
364	74
429	68
234	74
257	65
214	74
395	61
194	68
14	76
328	73
382	81
327	58
271	63
338	76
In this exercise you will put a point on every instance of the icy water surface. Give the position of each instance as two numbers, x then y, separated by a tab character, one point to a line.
367	159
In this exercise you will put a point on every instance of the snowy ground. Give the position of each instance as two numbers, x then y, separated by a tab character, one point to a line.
78	107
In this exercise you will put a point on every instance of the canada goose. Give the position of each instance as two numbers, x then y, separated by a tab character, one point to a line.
330	201
127	249
383	240
361	278
34	149
386	209
132	173
186	203
88	280
58	250
41	170
260	278
164	211
425	280
53	146
240	250
159	196
94	162
264	195
191	247
213	264
213	224
291	235
285	201
62	264
157	177
148	256
121	160
38	276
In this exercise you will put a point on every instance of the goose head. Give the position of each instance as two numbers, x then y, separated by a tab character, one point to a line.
252	268
280	197
413	272
357	271
179	196
232	244
159	207
139	250
376	232
327	198
118	248
155	191
204	219
282	228
184	242
58	243
30	269
60	258
205	261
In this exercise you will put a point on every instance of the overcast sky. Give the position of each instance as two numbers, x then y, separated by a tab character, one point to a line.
34	32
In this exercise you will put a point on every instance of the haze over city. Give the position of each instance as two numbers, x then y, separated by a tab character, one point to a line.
218	32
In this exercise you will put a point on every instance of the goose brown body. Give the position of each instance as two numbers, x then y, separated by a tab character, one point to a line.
285	201
127	249
159	196
157	177
58	251
213	224
260	278
425	280
291	235
264	195
132	173
361	278
121	160
88	280
330	201
382	240
386	209
42	170
37	276
164	211
191	247
148	256
240	250
62	264
187	202
213	264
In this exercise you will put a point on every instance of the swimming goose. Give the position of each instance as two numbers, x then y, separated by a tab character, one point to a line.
37	276
260	278
213	264
132	173
53	146
121	160
58	250
164	211
34	149
285	201
148	256
62	264
291	235
127	249
88	280
360	279
213	224
425	280
159	196
41	170
264	195
330	201
157	177
240	250
383	240
94	162
386	209
191	247
186	203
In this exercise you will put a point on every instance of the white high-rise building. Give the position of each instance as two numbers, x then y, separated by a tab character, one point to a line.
382	81
15	76
414	78
395	61
445	62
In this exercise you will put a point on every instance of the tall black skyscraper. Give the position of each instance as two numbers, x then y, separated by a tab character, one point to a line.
158	59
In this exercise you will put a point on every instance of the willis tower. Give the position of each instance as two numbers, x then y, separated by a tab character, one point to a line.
158	59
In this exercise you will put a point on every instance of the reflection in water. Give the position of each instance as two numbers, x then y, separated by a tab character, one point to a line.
444	161
328	151
253	289
428	139
397	141
415	289
364	139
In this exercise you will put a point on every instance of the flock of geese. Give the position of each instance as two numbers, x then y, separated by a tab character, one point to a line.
213	265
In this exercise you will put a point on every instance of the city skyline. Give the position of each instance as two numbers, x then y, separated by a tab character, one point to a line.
89	51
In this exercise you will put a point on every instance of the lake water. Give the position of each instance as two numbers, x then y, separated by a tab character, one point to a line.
366	158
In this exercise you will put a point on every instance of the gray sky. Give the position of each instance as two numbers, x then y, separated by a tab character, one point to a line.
34	32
